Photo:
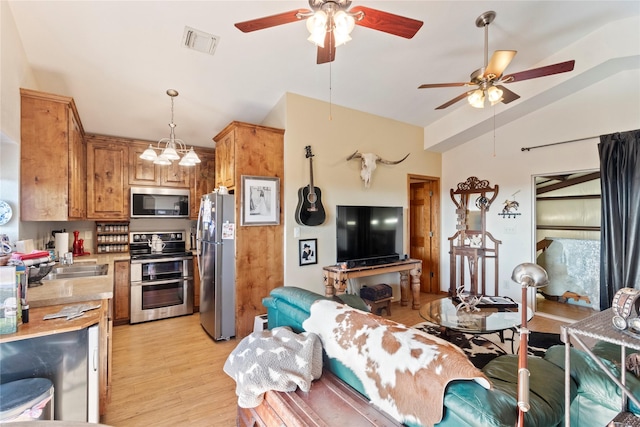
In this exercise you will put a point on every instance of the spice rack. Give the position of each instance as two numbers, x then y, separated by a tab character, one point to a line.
112	237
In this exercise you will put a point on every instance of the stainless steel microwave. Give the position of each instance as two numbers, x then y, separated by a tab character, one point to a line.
154	202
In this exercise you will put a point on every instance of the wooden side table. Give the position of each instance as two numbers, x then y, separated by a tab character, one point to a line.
335	278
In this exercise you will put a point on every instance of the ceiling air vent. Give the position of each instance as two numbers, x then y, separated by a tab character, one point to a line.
199	40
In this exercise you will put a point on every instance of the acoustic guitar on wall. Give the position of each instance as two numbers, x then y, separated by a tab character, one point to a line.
309	210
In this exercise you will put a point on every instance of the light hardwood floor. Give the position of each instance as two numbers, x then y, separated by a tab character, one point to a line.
169	372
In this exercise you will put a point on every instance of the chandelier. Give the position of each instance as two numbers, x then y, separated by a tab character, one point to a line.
328	19
171	148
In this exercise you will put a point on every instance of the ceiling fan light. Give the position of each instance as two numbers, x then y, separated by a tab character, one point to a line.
317	38
149	154
317	27
494	94
343	22
341	38
476	98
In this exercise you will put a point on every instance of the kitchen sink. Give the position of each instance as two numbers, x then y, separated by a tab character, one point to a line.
73	271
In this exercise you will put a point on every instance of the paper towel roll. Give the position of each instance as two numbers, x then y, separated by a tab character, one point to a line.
62	244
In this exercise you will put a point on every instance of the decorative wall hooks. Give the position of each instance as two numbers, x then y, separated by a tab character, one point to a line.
510	208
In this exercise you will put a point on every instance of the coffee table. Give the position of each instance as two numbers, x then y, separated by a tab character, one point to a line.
486	321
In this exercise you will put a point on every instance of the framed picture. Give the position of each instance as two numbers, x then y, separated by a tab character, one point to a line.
307	251
260	203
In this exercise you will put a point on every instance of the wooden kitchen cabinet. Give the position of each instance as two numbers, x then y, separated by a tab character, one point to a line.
107	189
202	178
52	158
225	157
258	151
121	287
146	173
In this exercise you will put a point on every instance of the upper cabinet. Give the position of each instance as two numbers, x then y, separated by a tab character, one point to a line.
202	178
146	173
225	160
52	156
107	189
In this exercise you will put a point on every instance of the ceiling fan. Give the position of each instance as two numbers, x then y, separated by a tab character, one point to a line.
489	79
331	21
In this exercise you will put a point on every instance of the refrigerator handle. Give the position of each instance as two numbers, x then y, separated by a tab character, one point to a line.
198	239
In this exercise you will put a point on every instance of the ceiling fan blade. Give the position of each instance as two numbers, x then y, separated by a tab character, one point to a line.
453	101
435	85
270	21
507	95
499	62
561	67
328	52
387	22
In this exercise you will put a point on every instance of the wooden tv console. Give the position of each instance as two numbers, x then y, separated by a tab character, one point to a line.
335	278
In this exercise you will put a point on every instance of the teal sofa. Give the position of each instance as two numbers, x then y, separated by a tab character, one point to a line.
466	402
599	399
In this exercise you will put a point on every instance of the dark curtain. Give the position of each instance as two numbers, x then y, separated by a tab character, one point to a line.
620	232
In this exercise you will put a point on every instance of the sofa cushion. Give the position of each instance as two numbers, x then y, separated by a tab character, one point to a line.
546	387
592	382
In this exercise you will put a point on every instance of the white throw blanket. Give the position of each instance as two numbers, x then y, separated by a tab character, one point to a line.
404	371
276	359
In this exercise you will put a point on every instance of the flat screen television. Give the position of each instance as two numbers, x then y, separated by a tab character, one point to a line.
368	235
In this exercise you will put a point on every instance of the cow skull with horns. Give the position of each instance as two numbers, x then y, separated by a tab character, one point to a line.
369	164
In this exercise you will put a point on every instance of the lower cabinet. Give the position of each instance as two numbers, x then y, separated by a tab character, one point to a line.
121	292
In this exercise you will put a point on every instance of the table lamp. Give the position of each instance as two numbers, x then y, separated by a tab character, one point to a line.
528	275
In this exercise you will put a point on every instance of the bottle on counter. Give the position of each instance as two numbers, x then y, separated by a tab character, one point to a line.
21	291
8	300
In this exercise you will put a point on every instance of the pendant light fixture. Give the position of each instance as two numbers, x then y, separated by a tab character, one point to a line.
171	148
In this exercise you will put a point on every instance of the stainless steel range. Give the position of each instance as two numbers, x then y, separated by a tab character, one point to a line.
161	275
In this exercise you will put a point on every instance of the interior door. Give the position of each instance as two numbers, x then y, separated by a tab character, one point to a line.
424	232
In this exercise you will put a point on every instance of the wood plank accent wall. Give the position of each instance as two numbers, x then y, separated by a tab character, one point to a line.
257	151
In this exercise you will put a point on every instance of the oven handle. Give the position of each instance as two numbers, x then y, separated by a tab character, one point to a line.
162	282
157	260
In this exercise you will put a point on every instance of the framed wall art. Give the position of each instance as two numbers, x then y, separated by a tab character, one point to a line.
307	251
260	204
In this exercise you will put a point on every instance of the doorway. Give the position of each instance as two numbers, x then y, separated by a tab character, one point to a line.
424	229
567	242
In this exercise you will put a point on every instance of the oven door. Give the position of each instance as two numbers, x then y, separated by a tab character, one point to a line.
161	299
161	288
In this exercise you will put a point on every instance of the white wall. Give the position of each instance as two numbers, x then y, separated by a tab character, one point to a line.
15	73
611	105
332	139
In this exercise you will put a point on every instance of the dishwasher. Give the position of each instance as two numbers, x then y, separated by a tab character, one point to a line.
70	360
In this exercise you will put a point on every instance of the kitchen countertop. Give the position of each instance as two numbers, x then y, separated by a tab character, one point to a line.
38	327
76	290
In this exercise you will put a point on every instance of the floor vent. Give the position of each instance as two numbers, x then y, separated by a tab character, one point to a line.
199	40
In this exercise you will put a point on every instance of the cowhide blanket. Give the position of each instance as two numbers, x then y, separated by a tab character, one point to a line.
404	371
278	359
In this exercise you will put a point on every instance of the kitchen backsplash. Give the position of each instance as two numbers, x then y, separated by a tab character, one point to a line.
40	231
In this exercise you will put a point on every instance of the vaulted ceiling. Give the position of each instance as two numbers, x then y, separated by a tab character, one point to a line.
118	58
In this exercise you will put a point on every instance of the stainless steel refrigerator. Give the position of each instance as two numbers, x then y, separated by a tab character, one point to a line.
216	263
